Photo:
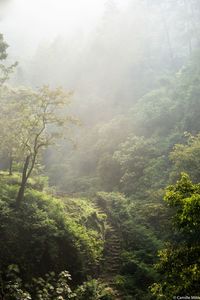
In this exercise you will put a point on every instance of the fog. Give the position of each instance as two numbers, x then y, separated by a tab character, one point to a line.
100	49
96	48
99	123
28	23
109	53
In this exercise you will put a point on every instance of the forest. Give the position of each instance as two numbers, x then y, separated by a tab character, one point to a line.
99	150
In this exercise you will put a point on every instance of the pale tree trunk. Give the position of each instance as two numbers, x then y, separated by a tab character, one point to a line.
188	28
171	53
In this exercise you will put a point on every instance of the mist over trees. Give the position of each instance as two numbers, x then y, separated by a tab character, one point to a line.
82	214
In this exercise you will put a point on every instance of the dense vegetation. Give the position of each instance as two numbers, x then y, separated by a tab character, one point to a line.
109	209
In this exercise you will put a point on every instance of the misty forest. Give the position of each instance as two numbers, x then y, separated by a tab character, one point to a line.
99	149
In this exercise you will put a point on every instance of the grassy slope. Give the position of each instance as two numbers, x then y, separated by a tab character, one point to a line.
66	221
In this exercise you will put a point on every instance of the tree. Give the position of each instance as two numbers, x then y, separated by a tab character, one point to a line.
186	158
3	48
179	261
134	156
40	119
10	115
4	70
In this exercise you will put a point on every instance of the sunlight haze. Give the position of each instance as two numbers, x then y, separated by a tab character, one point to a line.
29	22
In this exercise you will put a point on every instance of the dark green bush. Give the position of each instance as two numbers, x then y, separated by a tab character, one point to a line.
41	237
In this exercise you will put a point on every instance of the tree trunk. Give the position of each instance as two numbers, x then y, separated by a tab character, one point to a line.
171	53
20	195
188	25
10	165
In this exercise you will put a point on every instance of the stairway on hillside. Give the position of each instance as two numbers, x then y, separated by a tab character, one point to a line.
110	264
111	261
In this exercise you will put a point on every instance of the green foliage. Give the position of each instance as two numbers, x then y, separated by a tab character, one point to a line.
91	167
136	149
50	287
47	288
186	158
185	197
5	71
156	112
39	183
130	152
137	224
172	108
3	48
141	162
179	262
11	285
37	119
81	210
133	218
94	290
129	286
42	236
109	172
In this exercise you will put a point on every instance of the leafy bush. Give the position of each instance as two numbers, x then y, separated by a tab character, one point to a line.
11	287
50	287
41	236
138	239
179	264
94	290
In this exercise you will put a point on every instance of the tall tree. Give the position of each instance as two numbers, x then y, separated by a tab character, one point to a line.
40	118
5	71
179	263
10	127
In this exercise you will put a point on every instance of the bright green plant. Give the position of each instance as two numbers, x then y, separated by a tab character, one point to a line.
179	263
94	290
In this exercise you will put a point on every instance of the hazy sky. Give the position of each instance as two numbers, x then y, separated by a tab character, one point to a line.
27	22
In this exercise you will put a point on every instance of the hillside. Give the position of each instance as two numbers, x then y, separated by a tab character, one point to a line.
99	150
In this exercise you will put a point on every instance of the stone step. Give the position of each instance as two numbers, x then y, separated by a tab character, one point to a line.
113	242
108	266
111	262
114	245
112	253
113	256
114	263
113	238
112	250
112	234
